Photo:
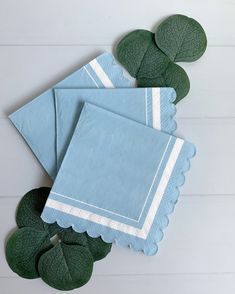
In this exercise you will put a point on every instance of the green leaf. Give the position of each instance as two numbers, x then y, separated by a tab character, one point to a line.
132	49
66	267
28	215
181	38
174	76
69	236
98	248
153	68
23	250
149	57
62	257
154	62
30	208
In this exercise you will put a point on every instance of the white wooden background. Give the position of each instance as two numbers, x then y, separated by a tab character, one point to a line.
40	42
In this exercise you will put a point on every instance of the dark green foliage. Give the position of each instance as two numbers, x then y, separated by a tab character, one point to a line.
97	247
23	250
181	38
174	76
150	57
62	257
32	205
66	267
132	49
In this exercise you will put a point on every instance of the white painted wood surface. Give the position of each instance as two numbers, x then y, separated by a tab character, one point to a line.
42	41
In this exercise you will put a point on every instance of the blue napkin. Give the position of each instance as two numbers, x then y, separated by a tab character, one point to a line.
48	121
119	180
151	106
36	120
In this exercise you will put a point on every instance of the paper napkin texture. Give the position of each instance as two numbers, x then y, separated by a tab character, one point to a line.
119	180
151	106
36	120
48	121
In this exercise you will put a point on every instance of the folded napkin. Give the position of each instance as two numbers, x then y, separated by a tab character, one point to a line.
47	122
119	180
151	106
36	120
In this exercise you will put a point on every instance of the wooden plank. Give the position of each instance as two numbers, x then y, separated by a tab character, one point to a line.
211	78
182	284
199	239
20	170
211	173
28	71
83	22
212	167
53	39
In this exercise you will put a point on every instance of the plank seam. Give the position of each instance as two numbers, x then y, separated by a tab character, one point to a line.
148	275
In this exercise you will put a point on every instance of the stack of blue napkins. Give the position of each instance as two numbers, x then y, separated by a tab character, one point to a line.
115	164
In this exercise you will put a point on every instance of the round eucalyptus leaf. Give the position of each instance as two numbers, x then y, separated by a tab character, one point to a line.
66	267
154	62
23	250
181	38
98	248
174	77
30	208
28	215
62	257
69	236
132	49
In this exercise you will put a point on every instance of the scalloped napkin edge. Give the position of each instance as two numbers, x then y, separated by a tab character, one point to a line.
118	212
